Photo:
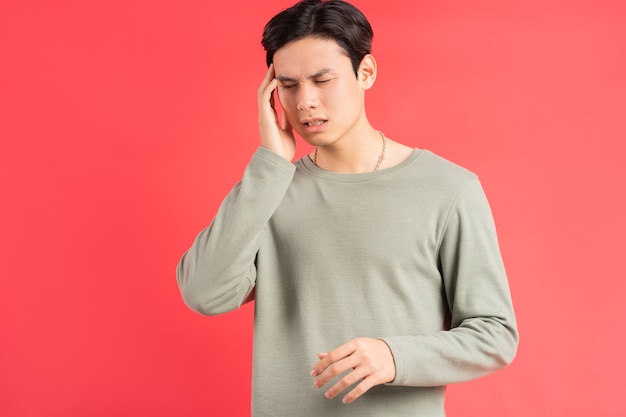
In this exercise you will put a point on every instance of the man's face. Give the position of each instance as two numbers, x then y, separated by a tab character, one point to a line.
318	90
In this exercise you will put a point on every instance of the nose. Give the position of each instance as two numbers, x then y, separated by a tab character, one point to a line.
306	97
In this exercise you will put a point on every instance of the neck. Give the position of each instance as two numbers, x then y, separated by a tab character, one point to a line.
362	153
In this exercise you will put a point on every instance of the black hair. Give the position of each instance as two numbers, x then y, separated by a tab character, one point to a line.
331	19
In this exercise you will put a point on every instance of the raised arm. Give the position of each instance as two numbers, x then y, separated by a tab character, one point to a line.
217	274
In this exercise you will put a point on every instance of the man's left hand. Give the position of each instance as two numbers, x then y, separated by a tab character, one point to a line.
370	361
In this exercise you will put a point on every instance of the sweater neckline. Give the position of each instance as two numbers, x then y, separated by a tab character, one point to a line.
315	170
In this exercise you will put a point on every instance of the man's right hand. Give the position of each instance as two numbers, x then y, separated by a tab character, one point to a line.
275	135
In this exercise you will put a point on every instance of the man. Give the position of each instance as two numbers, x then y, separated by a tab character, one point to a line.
374	267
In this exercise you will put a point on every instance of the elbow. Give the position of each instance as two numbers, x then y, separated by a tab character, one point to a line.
212	306
194	297
499	344
199	304
201	301
209	297
514	346
508	347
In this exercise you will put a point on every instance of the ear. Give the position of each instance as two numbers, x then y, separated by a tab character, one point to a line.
367	71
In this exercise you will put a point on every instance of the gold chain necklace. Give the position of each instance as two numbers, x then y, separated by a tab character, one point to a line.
380	157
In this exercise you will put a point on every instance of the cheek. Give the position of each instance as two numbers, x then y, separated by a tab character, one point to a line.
339	98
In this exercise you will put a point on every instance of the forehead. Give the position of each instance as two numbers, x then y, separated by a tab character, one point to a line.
309	55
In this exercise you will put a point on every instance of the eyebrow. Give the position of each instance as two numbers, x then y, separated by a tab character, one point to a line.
324	71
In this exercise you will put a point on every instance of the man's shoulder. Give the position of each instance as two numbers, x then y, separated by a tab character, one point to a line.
441	169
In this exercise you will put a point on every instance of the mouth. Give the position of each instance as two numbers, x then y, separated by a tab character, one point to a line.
314	123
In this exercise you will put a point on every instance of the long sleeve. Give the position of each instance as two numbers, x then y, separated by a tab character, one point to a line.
407	254
218	272
483	334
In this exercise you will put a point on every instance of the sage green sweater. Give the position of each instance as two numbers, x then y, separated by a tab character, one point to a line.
407	254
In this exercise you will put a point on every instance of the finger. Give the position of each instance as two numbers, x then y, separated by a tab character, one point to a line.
334	370
269	75
333	356
267	85
359	390
347	381
267	93
266	103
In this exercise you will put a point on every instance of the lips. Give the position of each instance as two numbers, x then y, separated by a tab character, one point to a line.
313	122
314	125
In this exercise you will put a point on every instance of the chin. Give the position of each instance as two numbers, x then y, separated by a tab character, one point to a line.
308	138
315	139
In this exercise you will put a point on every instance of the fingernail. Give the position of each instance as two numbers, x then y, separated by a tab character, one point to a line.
313	372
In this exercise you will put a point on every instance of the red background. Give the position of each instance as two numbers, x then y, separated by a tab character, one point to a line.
124	123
